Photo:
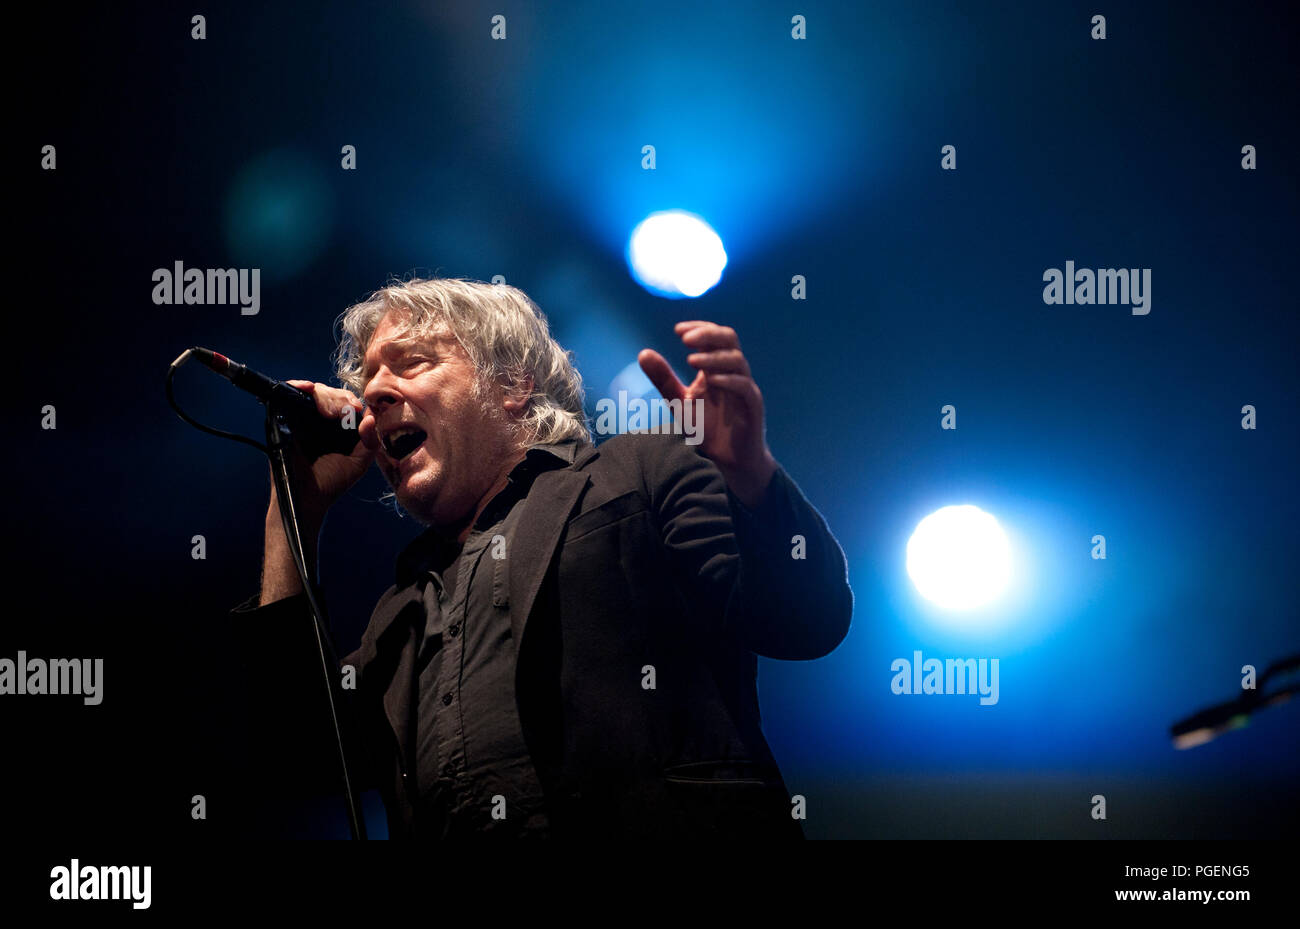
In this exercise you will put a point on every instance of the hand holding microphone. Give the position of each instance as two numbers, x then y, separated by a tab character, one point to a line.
330	456
324	480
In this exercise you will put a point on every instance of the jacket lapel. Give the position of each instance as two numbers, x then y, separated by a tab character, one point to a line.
544	514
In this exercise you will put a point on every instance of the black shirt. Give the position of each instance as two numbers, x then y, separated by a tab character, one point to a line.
470	764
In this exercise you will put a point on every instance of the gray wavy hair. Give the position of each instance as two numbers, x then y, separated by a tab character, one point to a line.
503	332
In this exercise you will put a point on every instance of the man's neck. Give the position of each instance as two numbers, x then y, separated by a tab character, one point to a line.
499	485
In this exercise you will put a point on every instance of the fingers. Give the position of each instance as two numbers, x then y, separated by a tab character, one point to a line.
740	385
330	401
706	336
724	361
368	429
364	451
717	348
661	374
336	402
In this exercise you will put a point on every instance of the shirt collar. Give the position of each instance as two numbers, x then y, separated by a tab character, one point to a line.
431	551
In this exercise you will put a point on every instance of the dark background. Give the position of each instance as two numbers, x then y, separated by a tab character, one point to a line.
819	158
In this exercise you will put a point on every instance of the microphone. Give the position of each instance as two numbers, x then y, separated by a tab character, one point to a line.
316	434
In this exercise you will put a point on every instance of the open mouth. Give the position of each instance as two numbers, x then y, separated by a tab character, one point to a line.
401	442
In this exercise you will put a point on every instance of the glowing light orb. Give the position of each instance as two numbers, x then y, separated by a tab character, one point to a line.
279	213
675	254
959	558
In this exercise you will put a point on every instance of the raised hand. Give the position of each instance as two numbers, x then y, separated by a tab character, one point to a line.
732	431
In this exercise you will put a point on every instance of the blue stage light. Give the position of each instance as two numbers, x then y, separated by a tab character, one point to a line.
279	214
675	254
959	558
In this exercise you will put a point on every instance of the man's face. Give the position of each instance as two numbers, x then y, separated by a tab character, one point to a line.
437	446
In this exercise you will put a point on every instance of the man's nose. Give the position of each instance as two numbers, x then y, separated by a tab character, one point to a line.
380	391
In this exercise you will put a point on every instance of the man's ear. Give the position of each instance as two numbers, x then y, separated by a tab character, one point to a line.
515	399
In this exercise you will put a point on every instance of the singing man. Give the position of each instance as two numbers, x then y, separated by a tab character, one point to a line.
570	647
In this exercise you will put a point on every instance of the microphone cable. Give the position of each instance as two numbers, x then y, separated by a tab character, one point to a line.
219	433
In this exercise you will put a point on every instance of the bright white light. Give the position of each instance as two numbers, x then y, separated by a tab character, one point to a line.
959	558
676	254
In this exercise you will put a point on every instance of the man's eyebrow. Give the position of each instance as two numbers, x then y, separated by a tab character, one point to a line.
398	348
367	366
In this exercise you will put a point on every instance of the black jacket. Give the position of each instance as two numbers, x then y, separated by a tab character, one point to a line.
635	555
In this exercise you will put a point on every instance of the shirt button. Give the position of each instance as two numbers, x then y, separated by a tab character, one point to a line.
453	629
446	699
